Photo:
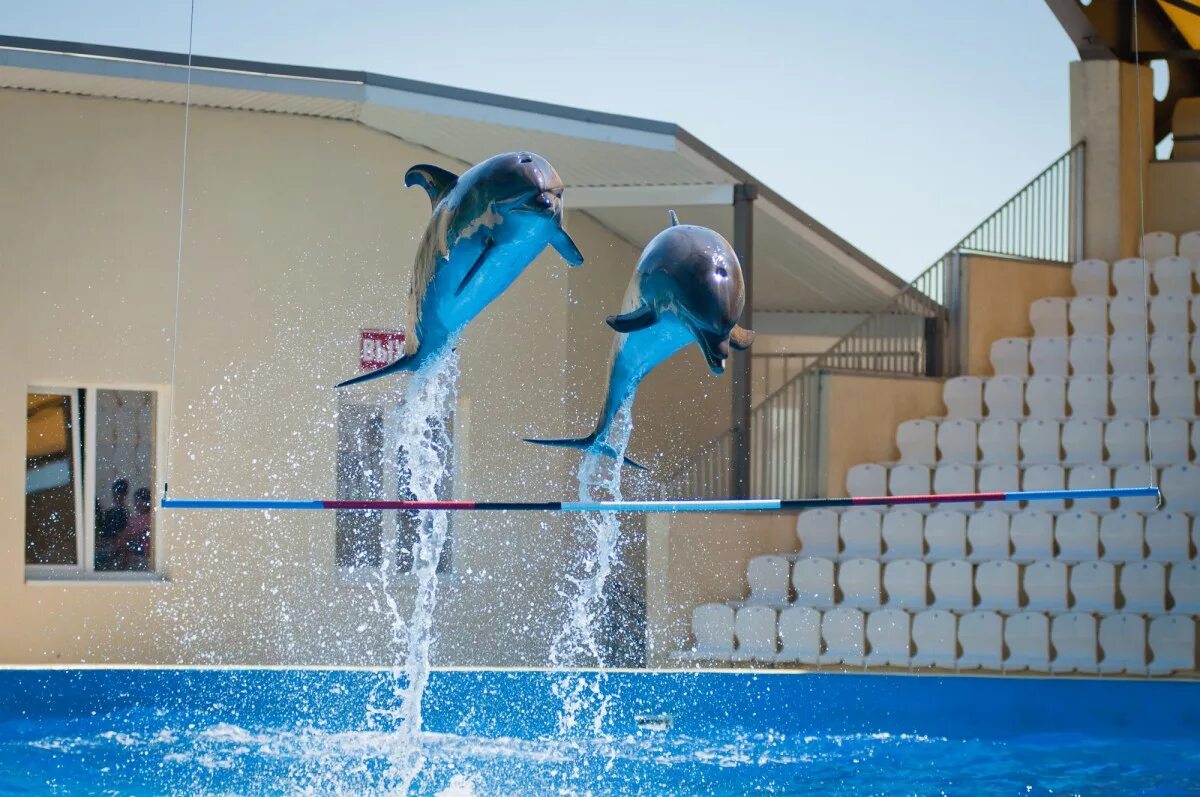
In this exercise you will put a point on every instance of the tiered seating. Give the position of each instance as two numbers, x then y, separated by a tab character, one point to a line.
1104	393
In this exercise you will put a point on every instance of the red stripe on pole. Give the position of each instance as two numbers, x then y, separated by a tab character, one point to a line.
413	505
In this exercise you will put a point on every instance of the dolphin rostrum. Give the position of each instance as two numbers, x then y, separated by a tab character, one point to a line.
487	226
687	287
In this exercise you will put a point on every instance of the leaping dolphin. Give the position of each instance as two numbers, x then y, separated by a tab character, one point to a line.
487	226
687	287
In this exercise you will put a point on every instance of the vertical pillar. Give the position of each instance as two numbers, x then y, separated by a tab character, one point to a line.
743	244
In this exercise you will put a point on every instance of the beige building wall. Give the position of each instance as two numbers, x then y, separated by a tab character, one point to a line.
298	232
1173	196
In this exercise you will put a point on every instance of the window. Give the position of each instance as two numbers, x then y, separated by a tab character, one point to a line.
90	475
364	473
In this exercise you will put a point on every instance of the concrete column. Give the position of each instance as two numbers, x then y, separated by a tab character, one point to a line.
1105	114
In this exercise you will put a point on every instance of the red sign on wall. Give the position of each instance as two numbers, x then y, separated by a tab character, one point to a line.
379	347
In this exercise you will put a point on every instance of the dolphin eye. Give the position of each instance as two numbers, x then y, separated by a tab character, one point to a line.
721	272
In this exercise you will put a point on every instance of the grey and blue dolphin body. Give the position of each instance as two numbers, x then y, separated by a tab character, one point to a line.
487	226
687	288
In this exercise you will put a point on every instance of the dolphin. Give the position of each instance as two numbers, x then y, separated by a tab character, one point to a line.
488	224
687	288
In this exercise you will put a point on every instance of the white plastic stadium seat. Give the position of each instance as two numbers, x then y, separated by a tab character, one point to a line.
1045	477
1189	246
1078	536
860	529
1195	312
963	396
1048	317
997	586
1094	586
842	630
1172	274
1184	586
1089	316
1074	638
987	534
858	580
1123	640
1181	488
1088	396
1048	356
1089	355
1125	440
1010	357
957	440
812	581
1157	244
866	481
712	626
1090	477
768	579
955	480
904	583
950	582
1121	537
1090	277
1167	537
1046	397
1128	316
1039	439
1045	586
1027	636
1032	535
799	635
909	480
1196	354
754	627
1083	441
1144	587
1172	644
1170	436
1135	476
981	639
1005	397
945	536
1175	396
1169	314
934	637
817	530
1131	396
915	441
1128	354
1001	479
998	442
1130	276
903	534
888	632
1169	354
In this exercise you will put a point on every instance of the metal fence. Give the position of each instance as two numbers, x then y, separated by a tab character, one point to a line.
916	332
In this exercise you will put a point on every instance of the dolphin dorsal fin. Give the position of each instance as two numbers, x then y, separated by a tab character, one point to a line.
436	181
674	218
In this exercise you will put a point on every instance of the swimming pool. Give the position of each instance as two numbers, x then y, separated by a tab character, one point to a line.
222	731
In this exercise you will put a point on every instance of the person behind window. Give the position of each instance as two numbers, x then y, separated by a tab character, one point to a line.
133	544
109	528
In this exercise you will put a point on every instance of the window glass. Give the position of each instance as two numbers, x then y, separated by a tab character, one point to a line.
125	478
50	480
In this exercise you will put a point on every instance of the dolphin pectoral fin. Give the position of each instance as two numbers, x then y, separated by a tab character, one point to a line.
488	247
634	320
585	444
635	465
740	338
436	181
565	247
407	363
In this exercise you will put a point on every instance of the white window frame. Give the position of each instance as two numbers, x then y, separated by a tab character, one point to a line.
85	499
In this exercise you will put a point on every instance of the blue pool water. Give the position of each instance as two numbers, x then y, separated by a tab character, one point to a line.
163	731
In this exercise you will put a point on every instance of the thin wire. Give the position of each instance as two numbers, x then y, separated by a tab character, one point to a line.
187	108
1141	188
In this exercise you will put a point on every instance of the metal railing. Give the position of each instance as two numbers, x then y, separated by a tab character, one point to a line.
915	333
769	372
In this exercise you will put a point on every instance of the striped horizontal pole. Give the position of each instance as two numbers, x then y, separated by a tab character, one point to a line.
739	505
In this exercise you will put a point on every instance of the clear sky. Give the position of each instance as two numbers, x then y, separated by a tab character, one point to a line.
899	125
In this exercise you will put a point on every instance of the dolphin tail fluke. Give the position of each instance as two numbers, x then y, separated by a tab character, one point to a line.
407	363
584	444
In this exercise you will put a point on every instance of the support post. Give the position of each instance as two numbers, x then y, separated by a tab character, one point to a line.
743	244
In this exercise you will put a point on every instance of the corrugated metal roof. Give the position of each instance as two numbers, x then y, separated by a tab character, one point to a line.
798	264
